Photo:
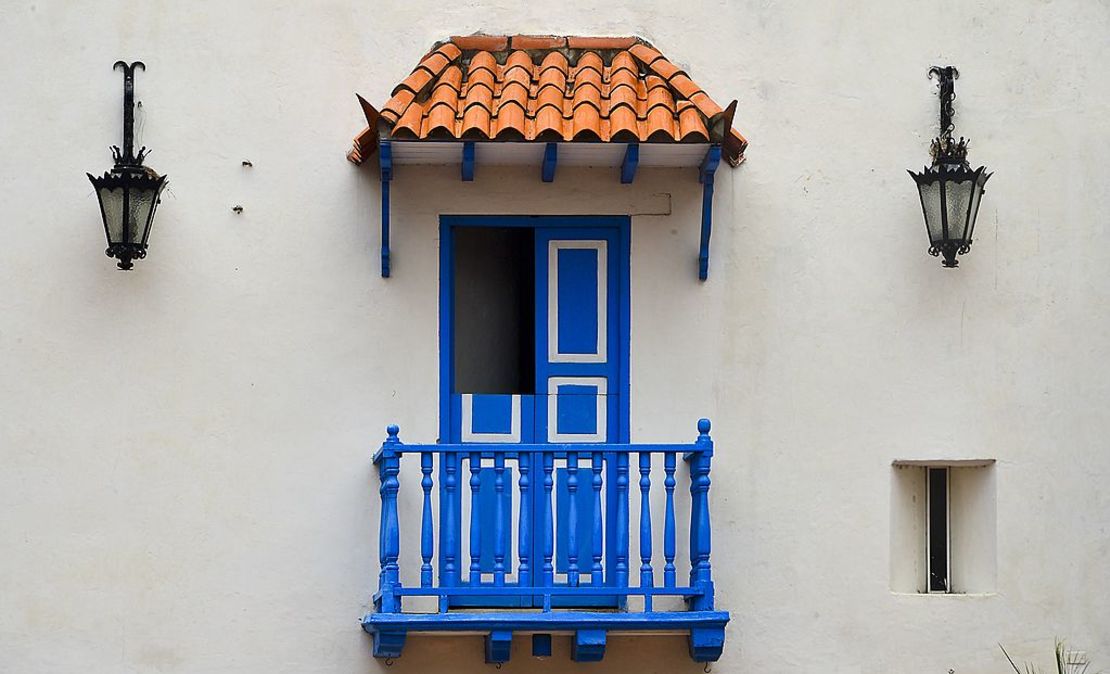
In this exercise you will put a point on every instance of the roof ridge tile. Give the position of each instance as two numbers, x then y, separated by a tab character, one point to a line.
537	42
481	41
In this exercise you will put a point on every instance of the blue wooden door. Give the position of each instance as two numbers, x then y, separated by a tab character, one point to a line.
579	396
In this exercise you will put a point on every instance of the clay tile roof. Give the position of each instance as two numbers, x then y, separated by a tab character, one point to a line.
549	88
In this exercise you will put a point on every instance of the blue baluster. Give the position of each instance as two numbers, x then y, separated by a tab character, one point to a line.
622	520
701	576
449	538
475	520
389	534
669	460
548	520
646	576
499	519
596	576
524	569
426	538
572	518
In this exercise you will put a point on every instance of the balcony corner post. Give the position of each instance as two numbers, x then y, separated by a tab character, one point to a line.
701	575
388	461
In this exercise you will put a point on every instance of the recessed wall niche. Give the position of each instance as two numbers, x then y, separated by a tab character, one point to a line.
943	527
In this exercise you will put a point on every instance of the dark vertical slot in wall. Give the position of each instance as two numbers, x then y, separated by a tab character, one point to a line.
938	529
494	310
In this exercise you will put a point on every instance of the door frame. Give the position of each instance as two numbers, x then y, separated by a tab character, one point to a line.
623	225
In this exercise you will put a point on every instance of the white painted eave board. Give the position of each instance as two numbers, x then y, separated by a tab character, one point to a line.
493	153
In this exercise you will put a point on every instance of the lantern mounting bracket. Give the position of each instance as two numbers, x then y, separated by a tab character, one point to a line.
127	157
944	149
946	75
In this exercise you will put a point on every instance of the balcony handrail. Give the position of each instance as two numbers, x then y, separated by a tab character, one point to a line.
515	449
698	595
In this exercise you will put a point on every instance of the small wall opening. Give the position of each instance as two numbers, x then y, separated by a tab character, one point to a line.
943	527
494	310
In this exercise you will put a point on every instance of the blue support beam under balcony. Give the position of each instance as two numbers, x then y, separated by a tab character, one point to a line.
705	177
385	158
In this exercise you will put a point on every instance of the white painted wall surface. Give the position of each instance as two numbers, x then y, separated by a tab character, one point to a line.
184	450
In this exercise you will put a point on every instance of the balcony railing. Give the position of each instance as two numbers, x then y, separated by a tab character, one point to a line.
598	580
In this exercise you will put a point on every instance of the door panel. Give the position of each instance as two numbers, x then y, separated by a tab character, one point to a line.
577	293
577	409
492	417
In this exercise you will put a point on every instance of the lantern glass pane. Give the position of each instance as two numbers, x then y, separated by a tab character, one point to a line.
973	212
930	203
958	196
111	201
141	204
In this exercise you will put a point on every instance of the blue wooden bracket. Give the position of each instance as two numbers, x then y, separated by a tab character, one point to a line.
498	645
588	646
541	645
705	177
706	643
389	643
550	158
628	166
385	157
468	161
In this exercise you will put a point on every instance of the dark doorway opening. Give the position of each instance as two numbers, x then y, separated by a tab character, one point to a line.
494	319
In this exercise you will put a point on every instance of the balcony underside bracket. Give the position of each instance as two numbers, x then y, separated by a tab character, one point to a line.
498	645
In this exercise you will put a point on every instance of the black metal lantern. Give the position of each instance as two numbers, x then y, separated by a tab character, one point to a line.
950	189
130	192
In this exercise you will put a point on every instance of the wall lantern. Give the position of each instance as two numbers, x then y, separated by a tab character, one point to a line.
950	189
129	193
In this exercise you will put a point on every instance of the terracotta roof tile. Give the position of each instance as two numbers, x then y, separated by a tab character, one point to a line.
705	104
543	88
684	85
397	105
691	125
664	68
410	122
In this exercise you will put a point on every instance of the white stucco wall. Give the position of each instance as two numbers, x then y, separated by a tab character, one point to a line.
184	450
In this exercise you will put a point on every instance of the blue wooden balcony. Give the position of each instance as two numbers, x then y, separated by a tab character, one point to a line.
572	571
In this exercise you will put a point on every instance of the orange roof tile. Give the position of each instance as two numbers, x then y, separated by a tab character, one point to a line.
549	88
